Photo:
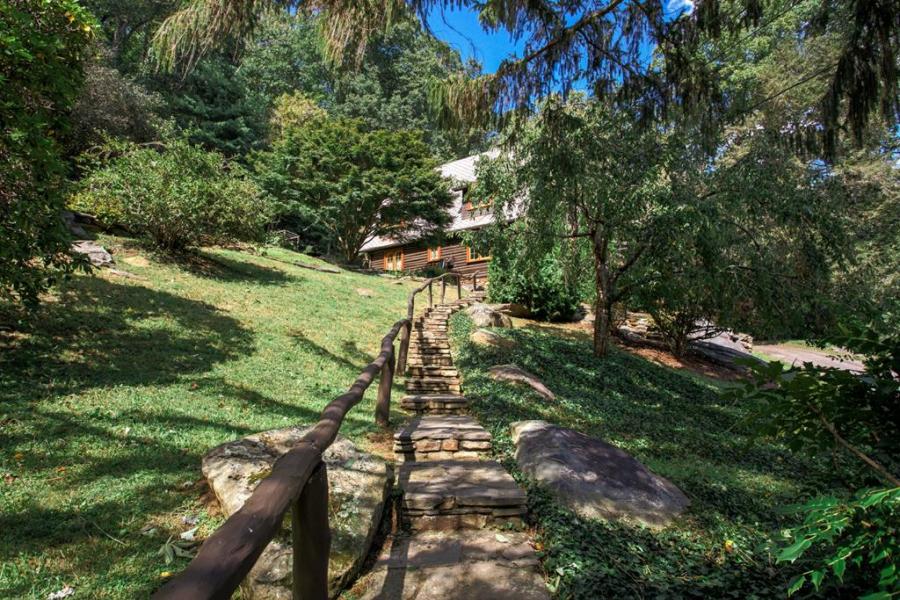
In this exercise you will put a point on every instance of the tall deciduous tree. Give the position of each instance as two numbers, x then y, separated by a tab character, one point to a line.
43	48
390	90
354	184
583	171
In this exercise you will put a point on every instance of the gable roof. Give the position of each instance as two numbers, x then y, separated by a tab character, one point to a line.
460	172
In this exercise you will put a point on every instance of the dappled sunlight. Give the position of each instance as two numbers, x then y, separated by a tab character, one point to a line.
110	399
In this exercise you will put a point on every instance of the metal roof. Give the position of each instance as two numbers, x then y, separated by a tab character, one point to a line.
460	172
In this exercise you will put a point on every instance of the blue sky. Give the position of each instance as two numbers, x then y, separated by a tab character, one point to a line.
461	29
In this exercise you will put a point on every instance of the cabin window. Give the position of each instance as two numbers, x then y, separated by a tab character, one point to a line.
476	207
474	256
393	260
434	254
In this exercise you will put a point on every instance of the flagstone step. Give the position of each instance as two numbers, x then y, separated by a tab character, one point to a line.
441	361
435	404
456	565
459	494
434	437
433	389
432	371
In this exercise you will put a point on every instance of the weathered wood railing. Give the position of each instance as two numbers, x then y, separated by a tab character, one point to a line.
299	482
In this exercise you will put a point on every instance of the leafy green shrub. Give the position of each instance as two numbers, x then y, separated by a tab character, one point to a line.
862	536
179	196
817	408
43	45
537	282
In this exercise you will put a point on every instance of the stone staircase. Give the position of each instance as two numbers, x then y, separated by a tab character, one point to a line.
462	511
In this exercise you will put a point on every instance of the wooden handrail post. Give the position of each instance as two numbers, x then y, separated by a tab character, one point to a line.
443	289
383	404
311	538
458	288
405	334
474	282
430	298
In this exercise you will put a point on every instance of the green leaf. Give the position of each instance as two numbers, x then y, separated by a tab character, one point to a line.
839	566
876	596
816	578
874	498
795	585
792	552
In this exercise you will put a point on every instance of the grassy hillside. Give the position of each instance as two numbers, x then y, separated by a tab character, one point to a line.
682	428
121	384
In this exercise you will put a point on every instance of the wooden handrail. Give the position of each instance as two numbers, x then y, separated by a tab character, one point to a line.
228	554
298	481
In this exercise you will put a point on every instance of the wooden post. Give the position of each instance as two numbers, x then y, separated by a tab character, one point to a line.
311	538
458	288
474	282
430	298
383	404
404	347
443	289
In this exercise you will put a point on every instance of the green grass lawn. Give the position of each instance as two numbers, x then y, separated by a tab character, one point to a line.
112	395
681	428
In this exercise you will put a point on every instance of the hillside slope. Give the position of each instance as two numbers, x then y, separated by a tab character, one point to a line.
123	383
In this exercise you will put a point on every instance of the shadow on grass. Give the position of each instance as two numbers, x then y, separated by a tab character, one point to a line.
105	334
308	345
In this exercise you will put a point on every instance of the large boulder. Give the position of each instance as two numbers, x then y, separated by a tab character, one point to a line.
486	337
485	316
516	374
593	478
358	488
95	253
512	309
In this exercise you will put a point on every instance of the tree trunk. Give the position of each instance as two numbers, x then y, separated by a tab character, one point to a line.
602	326
603	304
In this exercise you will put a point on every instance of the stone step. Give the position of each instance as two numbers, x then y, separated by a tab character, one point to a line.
428	351
435	404
433	389
433	371
455	565
432	382
441	437
430	335
430	344
428	361
459	494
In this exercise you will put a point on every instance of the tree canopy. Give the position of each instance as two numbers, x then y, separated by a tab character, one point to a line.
335	176
44	45
604	44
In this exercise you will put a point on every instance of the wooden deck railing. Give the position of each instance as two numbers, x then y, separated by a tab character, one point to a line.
299	482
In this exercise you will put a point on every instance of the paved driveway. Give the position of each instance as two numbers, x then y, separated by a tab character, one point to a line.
796	355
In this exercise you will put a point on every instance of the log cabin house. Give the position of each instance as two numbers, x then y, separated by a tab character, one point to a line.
387	254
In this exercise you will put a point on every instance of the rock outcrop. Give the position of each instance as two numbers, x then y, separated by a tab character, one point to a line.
358	487
485	337
485	316
593	478
95	253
